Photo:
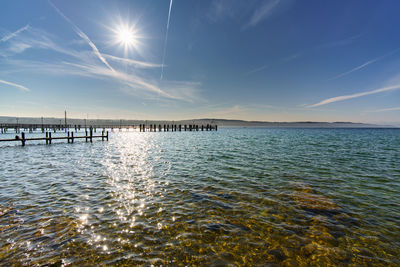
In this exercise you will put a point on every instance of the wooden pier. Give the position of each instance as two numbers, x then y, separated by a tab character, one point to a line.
89	135
17	128
70	137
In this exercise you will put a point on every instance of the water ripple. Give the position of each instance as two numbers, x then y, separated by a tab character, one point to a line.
232	197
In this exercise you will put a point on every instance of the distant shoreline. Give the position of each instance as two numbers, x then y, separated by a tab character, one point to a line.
219	122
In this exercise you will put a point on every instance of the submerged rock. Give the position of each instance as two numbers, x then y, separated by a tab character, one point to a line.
310	201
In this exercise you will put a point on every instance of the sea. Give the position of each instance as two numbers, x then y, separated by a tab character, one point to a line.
232	197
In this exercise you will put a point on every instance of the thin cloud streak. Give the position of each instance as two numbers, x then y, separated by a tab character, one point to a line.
345	97
364	65
261	13
256	70
387	109
136	63
83	36
12	35
129	79
355	69
23	88
342	42
166	40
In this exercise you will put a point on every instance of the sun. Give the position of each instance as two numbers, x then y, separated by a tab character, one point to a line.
125	36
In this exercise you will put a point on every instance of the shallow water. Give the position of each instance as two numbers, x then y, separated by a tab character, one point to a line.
236	196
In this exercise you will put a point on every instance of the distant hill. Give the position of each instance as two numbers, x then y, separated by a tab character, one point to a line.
219	122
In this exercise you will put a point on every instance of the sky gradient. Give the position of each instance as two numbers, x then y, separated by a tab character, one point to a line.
270	60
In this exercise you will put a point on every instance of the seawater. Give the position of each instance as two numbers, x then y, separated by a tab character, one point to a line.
237	196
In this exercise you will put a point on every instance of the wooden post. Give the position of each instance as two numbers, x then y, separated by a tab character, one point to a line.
185	127
91	135
23	138
216	128
72	137
68	138
107	136
102	135
49	137
180	127
86	135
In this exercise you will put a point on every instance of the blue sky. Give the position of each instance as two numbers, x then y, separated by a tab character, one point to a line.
271	60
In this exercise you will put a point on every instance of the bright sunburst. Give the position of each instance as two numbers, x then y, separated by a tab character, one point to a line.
127	37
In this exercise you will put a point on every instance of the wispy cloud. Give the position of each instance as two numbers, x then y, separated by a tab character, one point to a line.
23	88
223	9
387	109
256	70
12	35
345	97
133	77
184	90
83	36
292	57
131	80
342	42
132	62
364	65
262	12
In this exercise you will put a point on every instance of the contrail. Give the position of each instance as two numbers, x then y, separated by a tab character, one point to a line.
166	39
23	88
364	64
345	97
84	37
12	35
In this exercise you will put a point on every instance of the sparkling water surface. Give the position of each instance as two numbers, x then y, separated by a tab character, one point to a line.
238	196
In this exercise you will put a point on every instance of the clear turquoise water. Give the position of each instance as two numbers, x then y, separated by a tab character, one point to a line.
236	196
